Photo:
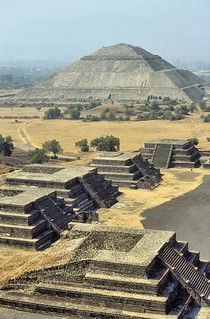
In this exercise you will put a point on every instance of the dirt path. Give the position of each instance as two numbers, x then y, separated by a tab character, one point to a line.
25	138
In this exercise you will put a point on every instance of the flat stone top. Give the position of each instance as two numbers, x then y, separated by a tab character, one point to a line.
115	155
62	176
26	197
143	252
169	141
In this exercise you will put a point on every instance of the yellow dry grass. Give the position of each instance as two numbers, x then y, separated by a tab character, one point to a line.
21	111
15	262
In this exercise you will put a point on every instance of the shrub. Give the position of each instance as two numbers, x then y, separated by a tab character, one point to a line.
108	143
52	113
52	146
83	145
37	156
206	118
108	115
94	118
194	140
74	113
128	111
6	145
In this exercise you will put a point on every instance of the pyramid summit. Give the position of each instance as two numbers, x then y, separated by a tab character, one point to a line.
121	72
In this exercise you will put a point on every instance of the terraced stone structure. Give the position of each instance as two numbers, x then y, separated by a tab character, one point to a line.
32	218
37	203
171	153
118	273
127	169
121	72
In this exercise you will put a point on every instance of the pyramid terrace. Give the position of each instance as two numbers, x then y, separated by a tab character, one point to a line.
37	204
127	169
117	273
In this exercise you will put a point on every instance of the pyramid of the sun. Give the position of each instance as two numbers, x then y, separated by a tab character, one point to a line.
121	72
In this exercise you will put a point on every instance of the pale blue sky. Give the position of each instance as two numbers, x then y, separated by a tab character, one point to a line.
69	29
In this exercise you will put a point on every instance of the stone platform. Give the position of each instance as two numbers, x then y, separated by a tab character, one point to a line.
117	273
127	169
171	153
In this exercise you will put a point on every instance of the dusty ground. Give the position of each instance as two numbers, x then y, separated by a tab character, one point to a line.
132	204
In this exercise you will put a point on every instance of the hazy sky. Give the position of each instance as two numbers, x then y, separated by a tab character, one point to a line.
69	29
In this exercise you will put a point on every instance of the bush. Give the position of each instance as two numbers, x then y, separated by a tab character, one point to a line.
108	143
128	111
194	140
52	113
37	156
94	103
74	113
52	146
206	118
83	145
168	101
94	118
6	145
108	115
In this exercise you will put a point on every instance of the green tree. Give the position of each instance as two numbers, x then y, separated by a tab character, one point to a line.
206	118
128	111
6	145
52	146
52	113
37	156
108	143
83	145
74	113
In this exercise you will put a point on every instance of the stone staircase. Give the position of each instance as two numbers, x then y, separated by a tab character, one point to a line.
183	268
162	155
100	189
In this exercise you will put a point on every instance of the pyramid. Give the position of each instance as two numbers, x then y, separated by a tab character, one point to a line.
121	72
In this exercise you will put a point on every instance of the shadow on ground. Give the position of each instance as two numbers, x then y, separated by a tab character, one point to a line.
188	215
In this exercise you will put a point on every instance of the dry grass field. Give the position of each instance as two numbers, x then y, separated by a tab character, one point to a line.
21	111
132	134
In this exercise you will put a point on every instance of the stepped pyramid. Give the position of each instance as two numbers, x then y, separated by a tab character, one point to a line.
121	72
37	203
127	169
117	273
168	153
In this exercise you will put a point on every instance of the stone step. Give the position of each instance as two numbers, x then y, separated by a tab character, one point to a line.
115	168
24	231
125	183
18	218
125	283
130	301
115	176
73	307
36	243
